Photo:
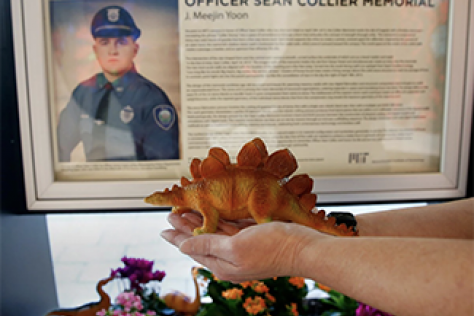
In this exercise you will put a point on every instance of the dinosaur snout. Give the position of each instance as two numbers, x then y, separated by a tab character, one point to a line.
156	198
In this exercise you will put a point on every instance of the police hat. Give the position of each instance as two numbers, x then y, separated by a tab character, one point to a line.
114	21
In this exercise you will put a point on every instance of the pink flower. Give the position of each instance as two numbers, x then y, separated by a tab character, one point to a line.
101	313
366	310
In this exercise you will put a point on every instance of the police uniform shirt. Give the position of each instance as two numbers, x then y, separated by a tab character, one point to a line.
141	121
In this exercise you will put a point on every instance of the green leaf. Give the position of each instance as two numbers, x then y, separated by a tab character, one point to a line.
213	310
205	273
331	313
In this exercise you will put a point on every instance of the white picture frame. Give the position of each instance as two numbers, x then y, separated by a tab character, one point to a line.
45	193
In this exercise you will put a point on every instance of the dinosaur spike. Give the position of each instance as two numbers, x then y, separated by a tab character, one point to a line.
300	184
321	214
281	163
252	154
195	168
215	163
331	221
185	181
342	226
346	231
220	154
174	187
308	201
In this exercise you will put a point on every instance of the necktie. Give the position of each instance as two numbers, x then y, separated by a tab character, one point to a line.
97	152
102	109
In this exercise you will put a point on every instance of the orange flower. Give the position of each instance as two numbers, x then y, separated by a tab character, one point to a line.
260	287
293	309
255	305
233	294
270	297
246	284
324	287
297	281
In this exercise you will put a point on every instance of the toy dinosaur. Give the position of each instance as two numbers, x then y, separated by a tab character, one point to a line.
181	303
89	309
256	186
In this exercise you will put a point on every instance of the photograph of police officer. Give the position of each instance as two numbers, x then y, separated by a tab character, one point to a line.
117	114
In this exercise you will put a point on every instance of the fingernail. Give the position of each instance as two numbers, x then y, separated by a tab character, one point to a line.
166	235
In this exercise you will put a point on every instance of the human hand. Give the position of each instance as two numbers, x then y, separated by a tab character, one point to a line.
241	254
188	222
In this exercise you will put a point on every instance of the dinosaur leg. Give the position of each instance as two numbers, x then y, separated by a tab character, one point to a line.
211	219
262	204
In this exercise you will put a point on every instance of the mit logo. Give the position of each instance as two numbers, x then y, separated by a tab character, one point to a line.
358	157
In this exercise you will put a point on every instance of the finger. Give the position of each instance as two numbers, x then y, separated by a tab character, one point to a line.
223	228
181	223
207	245
244	223
174	237
194	218
228	228
233	227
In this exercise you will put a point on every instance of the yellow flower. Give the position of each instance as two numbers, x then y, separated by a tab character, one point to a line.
254	305
293	309
233	294
297	281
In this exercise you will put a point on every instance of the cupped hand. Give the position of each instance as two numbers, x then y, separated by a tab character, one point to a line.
187	222
239	252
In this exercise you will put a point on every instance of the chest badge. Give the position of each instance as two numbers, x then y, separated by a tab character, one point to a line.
127	114
165	116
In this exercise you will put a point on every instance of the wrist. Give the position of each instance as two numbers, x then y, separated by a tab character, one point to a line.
311	261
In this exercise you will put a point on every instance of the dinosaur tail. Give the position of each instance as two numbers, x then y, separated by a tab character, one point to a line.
328	225
300	186
181	303
90	308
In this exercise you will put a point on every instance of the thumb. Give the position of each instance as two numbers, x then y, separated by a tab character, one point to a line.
205	245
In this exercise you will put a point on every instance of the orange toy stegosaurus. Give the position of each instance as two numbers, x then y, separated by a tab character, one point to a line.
256	186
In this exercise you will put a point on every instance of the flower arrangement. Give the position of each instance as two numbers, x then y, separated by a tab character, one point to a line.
139	297
282	296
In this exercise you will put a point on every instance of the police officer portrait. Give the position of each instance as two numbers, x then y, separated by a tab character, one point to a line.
109	59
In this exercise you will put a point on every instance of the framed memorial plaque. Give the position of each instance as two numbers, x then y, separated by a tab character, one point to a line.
374	98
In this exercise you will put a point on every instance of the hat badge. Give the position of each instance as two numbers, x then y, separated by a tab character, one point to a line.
113	14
